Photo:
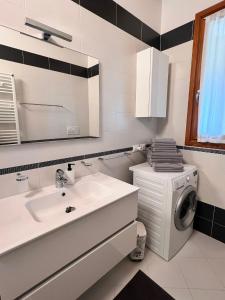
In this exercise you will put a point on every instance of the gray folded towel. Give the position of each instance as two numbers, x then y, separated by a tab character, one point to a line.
164	156
174	149
168	167
173	161
163	141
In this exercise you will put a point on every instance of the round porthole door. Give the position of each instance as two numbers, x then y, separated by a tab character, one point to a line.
185	209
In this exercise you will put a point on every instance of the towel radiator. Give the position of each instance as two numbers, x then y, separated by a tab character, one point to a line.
9	123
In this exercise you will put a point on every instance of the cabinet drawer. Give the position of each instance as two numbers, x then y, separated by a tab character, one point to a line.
72	281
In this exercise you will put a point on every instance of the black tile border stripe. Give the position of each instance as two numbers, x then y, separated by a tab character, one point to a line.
11	54
44	62
201	149
58	139
177	36
105	9
43	164
9	170
210	220
128	22
115	14
123	20
150	37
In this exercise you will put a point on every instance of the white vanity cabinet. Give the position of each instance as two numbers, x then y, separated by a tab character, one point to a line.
72	281
64	263
151	83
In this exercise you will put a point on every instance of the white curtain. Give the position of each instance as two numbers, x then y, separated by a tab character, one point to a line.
211	119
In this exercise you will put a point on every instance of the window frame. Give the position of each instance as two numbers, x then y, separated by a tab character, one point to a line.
192	114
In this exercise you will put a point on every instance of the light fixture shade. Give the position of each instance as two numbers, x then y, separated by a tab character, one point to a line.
48	30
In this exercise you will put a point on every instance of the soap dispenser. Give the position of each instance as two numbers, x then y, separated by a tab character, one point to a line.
70	174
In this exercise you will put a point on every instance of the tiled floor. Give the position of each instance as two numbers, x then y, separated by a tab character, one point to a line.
197	272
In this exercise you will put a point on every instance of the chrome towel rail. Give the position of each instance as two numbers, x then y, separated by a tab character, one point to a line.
42	104
9	123
114	157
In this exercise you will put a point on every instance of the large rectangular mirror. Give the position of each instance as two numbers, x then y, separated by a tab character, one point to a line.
47	92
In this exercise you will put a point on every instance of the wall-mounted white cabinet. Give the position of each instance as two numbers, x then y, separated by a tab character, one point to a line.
151	83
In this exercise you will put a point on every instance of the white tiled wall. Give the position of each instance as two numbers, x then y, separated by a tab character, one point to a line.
39	178
211	166
176	12
116	51
179	72
149	11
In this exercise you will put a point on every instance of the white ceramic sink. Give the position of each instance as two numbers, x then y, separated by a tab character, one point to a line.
50	206
26	216
65	201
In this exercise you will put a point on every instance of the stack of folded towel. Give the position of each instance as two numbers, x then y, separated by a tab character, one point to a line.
164	156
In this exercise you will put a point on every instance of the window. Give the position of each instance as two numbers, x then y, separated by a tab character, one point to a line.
206	109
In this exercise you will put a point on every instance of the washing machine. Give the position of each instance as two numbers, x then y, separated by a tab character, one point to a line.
166	205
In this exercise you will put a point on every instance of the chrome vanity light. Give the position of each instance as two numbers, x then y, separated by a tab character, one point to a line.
47	30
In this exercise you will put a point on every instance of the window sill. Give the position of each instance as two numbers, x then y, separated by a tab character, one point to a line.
195	143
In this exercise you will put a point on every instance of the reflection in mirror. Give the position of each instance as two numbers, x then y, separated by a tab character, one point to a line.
46	92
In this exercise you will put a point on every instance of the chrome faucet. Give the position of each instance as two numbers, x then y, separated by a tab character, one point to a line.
60	178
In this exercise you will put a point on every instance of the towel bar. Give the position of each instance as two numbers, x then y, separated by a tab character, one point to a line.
113	157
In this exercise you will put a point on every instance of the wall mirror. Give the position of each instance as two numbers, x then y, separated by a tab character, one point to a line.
47	92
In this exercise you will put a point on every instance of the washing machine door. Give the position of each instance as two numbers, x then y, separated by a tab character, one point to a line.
185	208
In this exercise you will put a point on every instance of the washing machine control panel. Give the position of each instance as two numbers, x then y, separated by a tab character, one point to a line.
179	184
195	173
187	179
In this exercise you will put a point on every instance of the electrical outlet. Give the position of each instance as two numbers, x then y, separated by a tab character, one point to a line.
142	147
73	130
135	148
139	147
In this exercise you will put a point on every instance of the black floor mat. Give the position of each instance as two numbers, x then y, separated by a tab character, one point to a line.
141	287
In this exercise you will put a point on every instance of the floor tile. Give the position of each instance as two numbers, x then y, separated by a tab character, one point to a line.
199	274
190	250
218	266
165	274
179	294
210	247
207	295
123	273
102	290
196	272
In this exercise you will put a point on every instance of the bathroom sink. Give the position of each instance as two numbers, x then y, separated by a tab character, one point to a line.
66	201
91	190
27	216
50	206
